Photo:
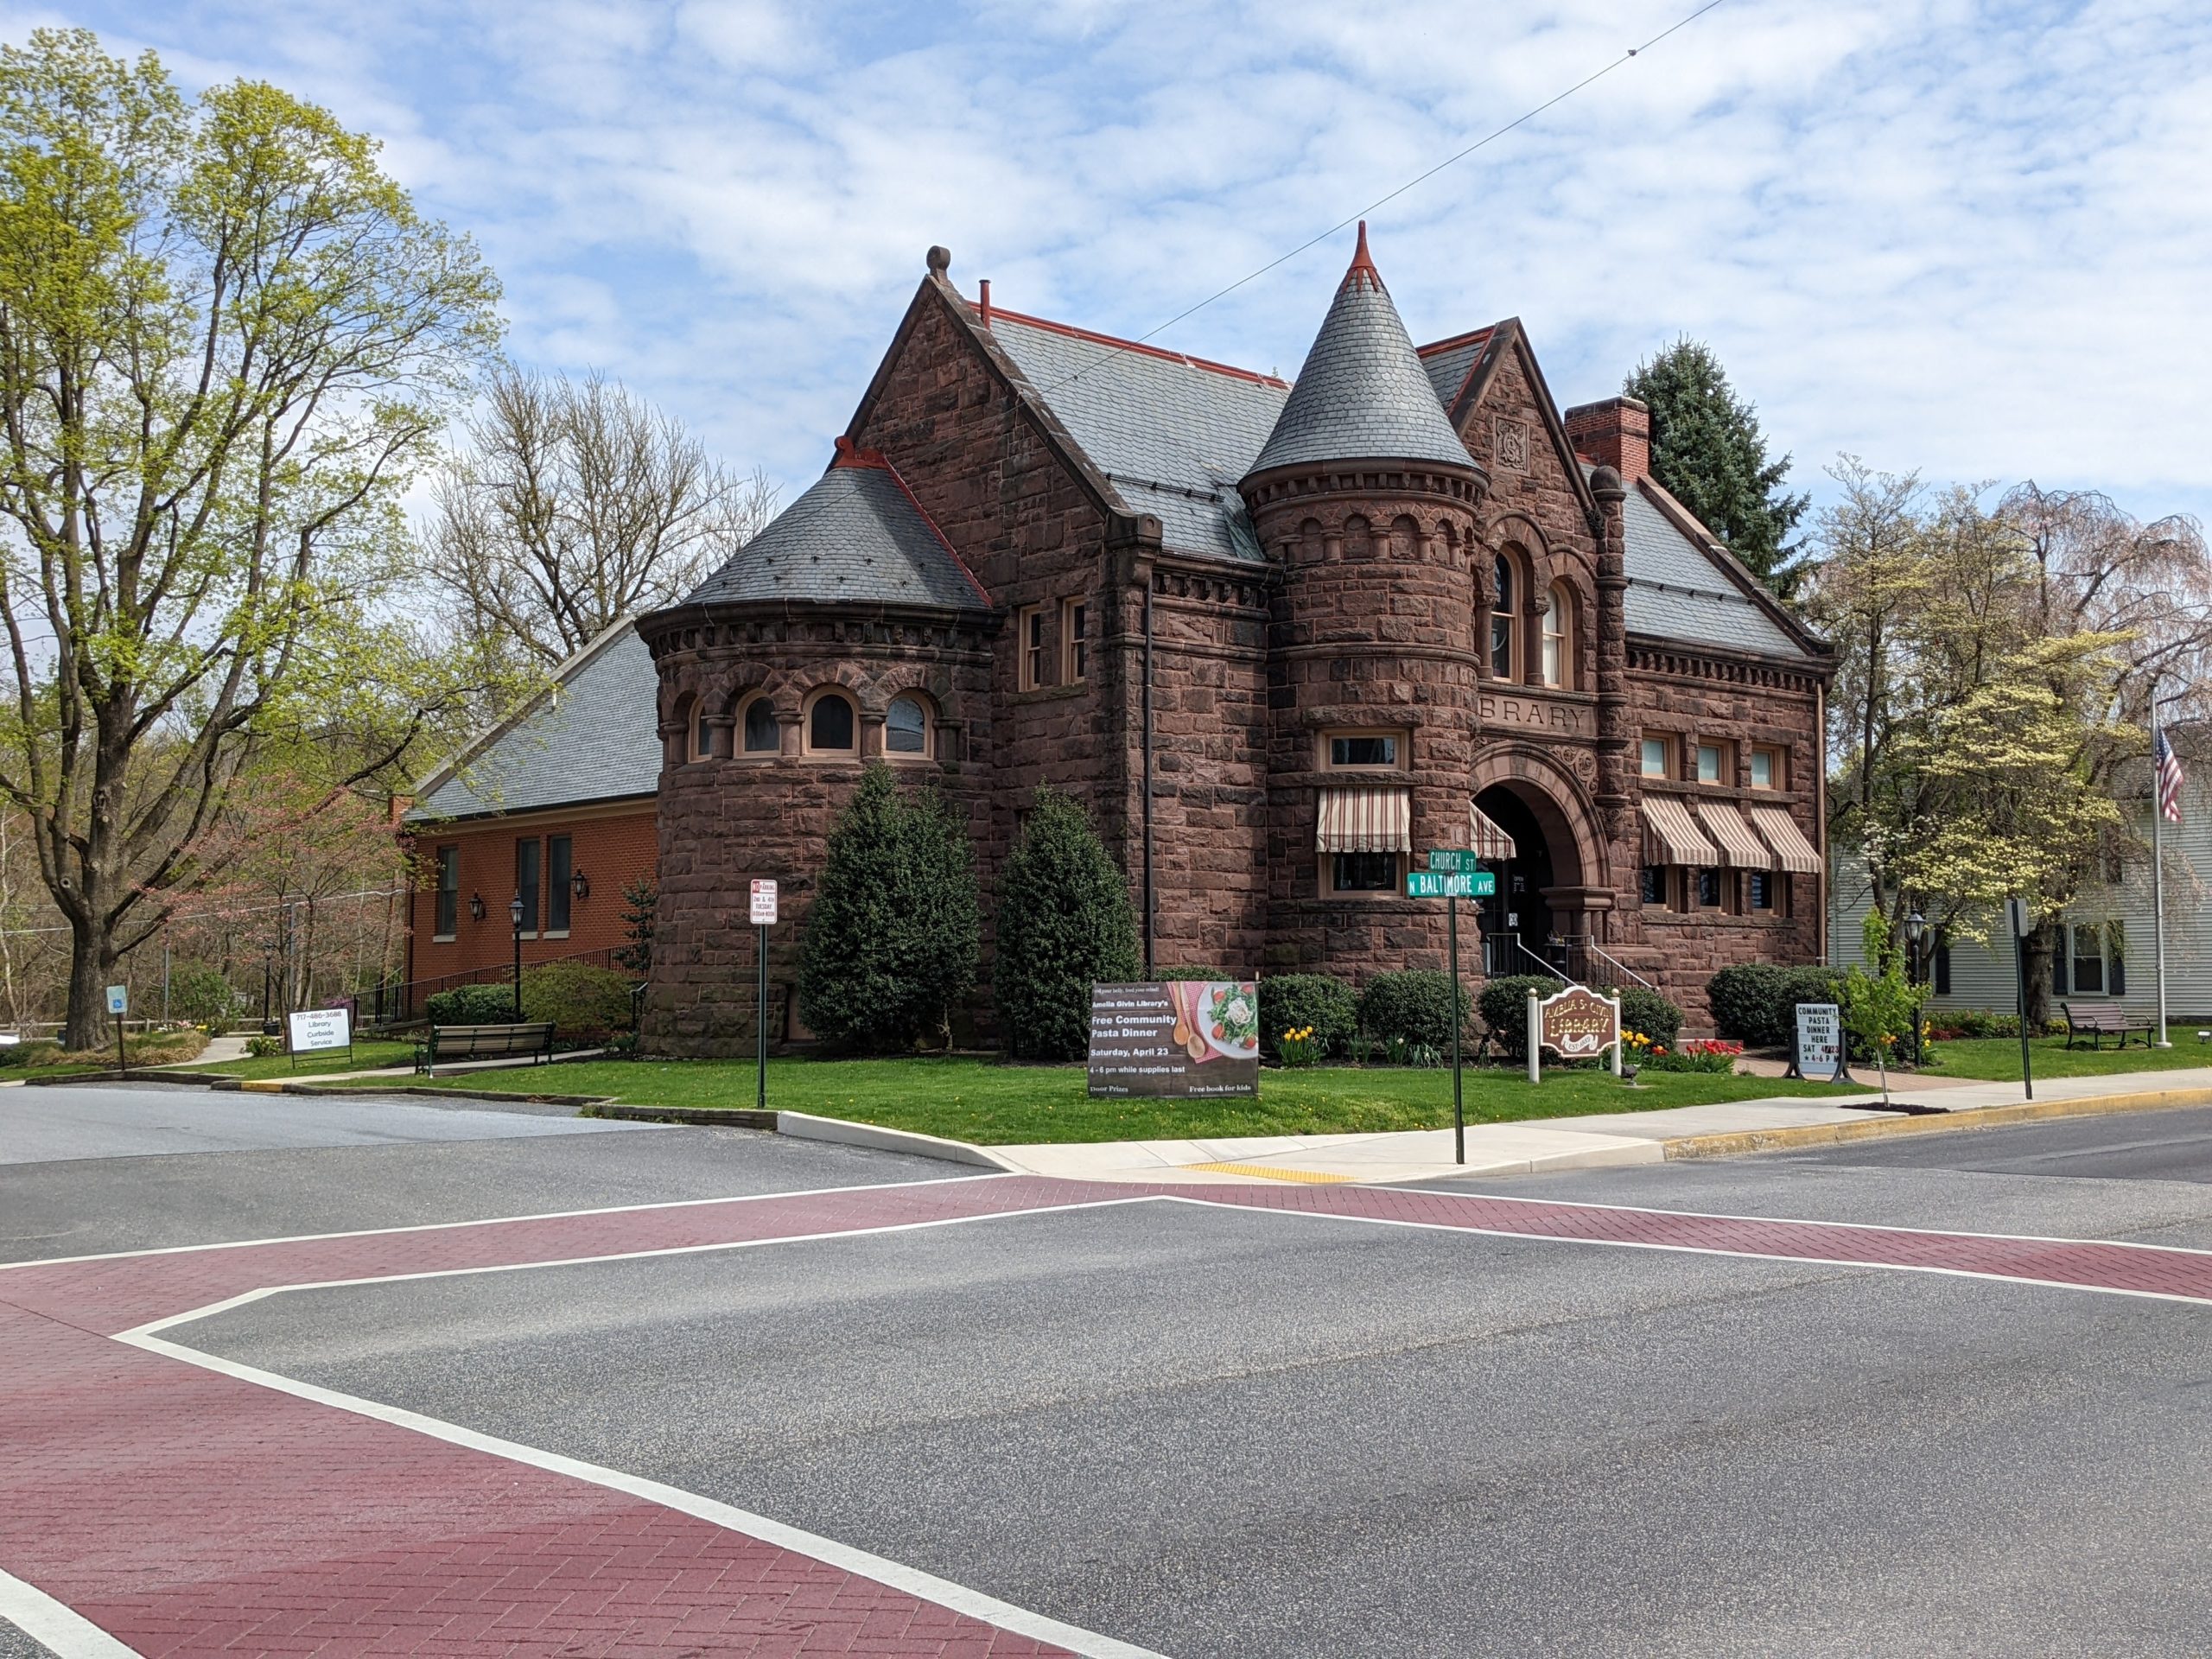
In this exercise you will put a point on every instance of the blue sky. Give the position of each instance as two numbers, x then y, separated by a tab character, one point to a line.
1973	240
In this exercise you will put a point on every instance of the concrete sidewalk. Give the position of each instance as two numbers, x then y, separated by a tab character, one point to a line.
1590	1141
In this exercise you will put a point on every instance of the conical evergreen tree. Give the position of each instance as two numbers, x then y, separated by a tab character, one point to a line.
1708	452
892	937
1064	924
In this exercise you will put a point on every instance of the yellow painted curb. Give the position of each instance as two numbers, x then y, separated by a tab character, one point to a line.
1266	1173
1882	1128
264	1085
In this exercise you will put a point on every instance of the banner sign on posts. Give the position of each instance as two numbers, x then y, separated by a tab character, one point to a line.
1819	1055
315	1029
1176	1038
764	904
1432	883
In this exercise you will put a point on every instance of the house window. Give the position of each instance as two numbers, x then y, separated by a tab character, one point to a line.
761	736
1710	889
526	872
1708	763
906	728
1943	962
1363	751
1364	871
2089	959
1029	637
449	915
830	728
1502	619
702	736
1766	769
1658	757
1558	655
560	866
1075	642
1759	890
1653	881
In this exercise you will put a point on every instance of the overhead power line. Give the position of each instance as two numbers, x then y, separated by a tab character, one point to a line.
1354	217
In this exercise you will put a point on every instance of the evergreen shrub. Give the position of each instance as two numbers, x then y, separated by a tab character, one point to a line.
892	937
1755	1003
1651	1014
1418	1008
579	1000
488	1004
1064	924
1297	1001
1504	1005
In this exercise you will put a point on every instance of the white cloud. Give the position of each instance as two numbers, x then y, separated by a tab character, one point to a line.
1963	236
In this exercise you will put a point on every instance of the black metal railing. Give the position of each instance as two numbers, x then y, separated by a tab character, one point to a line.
397	1001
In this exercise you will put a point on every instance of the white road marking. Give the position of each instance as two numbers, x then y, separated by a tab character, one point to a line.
55	1624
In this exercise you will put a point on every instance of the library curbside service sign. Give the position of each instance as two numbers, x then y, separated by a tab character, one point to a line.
1175	1038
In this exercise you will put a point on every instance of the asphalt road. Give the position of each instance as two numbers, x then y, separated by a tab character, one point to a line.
1233	1433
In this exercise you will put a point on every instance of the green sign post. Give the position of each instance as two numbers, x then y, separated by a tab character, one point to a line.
1452	875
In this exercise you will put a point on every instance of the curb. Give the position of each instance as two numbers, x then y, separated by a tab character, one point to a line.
804	1126
696	1117
1973	1117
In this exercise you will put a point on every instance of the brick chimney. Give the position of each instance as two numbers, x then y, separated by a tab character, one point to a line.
1616	433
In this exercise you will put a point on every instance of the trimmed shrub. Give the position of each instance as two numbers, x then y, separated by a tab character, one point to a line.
1295	1002
1064	924
1651	1014
1504	1005
1418	1008
579	1000
892	937
1187	970
487	1004
1755	1003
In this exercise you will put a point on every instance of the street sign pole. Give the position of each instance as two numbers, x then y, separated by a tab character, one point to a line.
2016	910
763	915
1459	1103
118	1004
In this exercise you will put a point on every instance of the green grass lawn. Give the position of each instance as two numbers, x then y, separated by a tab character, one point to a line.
1997	1059
365	1056
997	1104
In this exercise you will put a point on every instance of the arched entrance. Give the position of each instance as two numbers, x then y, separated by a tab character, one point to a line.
1522	931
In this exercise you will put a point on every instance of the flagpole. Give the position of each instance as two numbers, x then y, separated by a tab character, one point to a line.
2157	866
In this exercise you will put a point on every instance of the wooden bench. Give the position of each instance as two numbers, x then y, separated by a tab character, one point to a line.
450	1043
2101	1022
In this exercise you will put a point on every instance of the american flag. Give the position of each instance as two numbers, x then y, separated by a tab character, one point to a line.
2169	768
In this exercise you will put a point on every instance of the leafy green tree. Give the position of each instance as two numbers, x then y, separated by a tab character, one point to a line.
1707	451
227	342
1880	1008
1064	924
892	937
640	906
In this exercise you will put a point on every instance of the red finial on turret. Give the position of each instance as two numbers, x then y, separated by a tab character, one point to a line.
1362	265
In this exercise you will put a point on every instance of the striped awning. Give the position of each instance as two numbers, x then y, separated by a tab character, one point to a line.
1779	831
1739	848
1367	819
1486	838
1671	835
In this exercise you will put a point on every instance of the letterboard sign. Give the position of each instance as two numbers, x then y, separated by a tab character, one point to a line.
1819	1055
1175	1038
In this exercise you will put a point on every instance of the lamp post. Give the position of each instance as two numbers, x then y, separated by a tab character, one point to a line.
514	914
268	982
1915	928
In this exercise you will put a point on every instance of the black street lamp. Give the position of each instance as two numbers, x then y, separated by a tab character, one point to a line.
514	914
1916	929
268	984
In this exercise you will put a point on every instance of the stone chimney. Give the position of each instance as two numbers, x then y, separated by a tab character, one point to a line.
1616	433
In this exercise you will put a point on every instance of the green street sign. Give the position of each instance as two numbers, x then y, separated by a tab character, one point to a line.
1434	884
1462	860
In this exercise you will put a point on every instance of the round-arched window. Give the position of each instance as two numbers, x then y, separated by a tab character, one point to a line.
1559	638
906	728
761	736
1503	621
830	728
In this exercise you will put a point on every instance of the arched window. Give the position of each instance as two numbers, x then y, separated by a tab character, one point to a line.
760	734
1503	622
1559	638
698	737
906	729
831	727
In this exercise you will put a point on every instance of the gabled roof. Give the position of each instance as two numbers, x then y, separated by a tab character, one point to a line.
857	533
592	734
1362	394
1451	364
1682	584
1172	435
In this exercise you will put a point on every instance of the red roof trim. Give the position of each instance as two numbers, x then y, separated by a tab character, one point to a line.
1474	335
850	455
999	313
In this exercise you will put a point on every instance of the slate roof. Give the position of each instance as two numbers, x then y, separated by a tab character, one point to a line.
1677	592
857	533
1172	434
1449	362
1362	393
593	735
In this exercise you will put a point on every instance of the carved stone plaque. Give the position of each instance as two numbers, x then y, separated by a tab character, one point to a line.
1512	445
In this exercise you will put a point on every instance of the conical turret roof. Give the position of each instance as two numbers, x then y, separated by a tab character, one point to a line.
1362	394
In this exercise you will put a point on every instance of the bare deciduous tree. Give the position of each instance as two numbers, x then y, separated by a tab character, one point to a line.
576	503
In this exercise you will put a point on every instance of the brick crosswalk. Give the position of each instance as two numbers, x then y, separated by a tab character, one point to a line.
189	1510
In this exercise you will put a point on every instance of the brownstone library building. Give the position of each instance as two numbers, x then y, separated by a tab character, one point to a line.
1280	639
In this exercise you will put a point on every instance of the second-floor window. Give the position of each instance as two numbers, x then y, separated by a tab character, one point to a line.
1029	638
1075	642
448	918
